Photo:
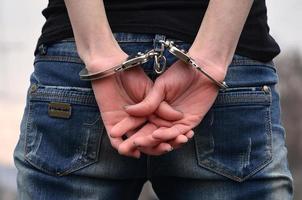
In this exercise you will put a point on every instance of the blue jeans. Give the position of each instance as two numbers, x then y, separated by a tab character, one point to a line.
238	151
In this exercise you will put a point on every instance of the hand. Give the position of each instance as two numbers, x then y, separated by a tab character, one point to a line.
152	145
185	89
113	93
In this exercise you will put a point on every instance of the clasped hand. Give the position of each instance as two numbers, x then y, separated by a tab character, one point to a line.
153	118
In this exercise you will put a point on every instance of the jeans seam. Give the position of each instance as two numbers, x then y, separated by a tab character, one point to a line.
249	63
58	58
41	94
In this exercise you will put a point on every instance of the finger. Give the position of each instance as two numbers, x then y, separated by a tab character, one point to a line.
146	141
128	147
181	139
129	134
149	104
159	121
190	134
160	149
166	112
171	133
128	150
134	152
115	142
127	124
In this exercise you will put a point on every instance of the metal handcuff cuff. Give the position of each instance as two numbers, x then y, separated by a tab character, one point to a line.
131	61
159	67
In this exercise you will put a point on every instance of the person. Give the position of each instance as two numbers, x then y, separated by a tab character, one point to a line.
103	139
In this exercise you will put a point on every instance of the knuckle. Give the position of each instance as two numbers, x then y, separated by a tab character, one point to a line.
176	130
160	82
148	105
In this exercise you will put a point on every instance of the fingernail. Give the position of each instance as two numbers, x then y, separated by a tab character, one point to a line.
170	149
191	136
137	155
126	106
183	142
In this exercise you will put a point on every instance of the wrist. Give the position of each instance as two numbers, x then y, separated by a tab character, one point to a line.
215	67
99	53
95	62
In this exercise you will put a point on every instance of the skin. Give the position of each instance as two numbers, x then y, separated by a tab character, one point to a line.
126	88
159	116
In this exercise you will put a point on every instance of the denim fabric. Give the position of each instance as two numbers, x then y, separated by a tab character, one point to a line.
238	151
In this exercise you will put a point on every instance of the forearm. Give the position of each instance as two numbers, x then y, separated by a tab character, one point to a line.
217	38
94	39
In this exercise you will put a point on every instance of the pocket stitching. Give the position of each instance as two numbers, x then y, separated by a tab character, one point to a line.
216	167
80	160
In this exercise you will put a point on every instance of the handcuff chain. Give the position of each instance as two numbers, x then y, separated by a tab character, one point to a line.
160	61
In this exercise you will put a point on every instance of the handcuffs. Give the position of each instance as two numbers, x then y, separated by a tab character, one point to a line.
159	65
131	61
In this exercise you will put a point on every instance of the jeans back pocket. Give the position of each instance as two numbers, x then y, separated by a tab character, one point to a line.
63	130
234	139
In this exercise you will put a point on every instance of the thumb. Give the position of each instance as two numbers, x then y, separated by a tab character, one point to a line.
167	112
149	104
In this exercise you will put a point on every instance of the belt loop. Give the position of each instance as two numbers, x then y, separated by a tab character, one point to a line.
42	49
157	45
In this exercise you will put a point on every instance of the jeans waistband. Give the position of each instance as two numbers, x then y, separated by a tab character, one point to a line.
65	50
242	71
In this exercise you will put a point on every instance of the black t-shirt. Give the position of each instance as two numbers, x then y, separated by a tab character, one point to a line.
178	19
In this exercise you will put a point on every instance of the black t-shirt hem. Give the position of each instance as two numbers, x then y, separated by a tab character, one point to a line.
66	32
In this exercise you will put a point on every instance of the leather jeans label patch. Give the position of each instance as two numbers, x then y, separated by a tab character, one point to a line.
59	110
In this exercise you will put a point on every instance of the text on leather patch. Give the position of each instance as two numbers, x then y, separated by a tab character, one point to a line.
59	110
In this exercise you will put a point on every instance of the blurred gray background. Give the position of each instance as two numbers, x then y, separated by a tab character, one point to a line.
20	26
